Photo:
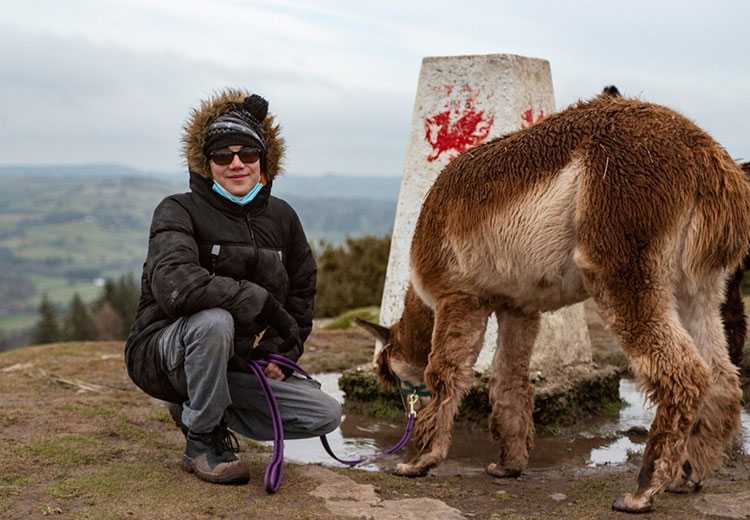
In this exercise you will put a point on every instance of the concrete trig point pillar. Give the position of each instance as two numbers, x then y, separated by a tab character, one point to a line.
461	102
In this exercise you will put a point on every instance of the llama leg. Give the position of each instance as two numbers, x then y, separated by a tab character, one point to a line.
460	322
511	393
719	414
668	366
733	316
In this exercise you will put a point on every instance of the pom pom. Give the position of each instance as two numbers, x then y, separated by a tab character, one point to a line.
256	105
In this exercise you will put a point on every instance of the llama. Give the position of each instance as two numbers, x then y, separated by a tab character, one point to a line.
624	201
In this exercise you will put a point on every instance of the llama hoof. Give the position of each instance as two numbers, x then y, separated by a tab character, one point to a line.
630	503
410	470
684	487
502	472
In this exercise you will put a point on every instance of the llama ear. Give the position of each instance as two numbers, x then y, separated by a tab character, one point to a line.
380	333
382	370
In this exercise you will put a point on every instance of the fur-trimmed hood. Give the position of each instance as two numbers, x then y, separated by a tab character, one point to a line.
201	118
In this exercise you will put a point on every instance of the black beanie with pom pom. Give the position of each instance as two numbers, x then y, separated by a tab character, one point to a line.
239	126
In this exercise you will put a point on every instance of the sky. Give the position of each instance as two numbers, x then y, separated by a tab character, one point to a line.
110	81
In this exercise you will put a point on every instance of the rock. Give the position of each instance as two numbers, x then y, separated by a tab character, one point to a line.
339	487
345	497
636	434
729	505
558	497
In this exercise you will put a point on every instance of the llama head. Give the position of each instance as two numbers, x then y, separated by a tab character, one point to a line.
395	364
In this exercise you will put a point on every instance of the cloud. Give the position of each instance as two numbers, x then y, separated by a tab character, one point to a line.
112	81
77	101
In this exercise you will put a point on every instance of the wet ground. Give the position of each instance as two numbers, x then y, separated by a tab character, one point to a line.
597	441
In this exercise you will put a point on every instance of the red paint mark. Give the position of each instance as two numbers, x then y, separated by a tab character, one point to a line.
459	125
527	117
443	135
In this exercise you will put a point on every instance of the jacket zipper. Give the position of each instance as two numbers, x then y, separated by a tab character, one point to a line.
252	239
215	250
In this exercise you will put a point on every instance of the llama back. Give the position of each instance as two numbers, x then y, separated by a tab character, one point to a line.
642	177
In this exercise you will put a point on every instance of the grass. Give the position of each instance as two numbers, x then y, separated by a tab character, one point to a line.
633	456
63	451
114	482
594	494
11	483
346	320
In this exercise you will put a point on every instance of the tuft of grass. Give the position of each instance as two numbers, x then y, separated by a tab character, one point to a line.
88	411
65	451
10	483
633	456
592	493
160	414
117	424
611	407
346	320
113	482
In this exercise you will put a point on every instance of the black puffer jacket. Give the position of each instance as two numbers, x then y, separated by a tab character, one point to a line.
205	252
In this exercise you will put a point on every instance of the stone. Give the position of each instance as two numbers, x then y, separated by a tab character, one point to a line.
345	497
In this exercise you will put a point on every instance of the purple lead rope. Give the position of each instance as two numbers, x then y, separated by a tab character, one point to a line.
400	444
275	468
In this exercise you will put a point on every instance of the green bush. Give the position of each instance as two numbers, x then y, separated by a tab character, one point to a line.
350	275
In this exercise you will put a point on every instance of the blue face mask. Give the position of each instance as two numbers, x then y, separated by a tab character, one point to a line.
237	200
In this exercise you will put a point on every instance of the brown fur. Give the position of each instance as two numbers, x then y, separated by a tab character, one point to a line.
733	309
624	201
201	118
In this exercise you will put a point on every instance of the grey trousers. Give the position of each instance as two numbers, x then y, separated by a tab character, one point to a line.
195	351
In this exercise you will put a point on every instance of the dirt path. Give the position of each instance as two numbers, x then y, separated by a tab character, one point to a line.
78	440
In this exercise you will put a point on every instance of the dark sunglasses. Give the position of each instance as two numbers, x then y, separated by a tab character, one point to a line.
226	156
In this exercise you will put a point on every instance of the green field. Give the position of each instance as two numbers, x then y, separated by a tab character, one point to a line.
17	322
59	236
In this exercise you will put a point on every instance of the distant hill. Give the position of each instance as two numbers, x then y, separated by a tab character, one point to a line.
336	186
62	228
76	171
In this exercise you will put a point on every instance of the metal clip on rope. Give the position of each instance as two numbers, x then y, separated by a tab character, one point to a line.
413	398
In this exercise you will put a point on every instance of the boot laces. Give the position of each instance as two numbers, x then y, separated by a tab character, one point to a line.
224	440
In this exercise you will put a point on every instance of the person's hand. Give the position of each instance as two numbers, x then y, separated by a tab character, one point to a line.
283	323
273	371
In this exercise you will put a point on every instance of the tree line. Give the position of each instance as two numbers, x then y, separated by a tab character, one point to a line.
350	275
106	319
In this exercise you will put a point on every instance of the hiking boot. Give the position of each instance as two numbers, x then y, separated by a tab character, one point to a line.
211	457
175	410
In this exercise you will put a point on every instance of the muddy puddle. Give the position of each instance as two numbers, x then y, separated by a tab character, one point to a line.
598	441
